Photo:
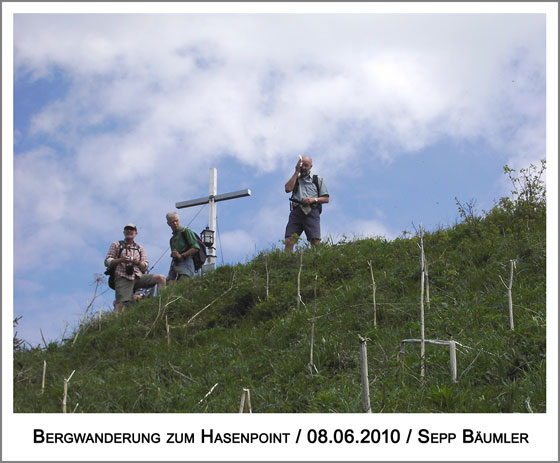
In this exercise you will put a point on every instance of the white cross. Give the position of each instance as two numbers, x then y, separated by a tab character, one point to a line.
212	199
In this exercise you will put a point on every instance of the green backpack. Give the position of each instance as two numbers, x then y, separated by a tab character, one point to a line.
200	257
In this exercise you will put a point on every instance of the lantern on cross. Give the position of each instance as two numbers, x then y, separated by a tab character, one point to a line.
207	236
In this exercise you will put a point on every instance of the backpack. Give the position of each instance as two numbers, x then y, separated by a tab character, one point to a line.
111	270
200	257
296	188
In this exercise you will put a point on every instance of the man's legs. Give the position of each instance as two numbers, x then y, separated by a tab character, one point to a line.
124	288
290	241
148	280
312	227
294	227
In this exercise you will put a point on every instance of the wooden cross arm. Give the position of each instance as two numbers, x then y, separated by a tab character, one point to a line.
217	198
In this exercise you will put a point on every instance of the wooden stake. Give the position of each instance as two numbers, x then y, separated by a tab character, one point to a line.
266	267
365	381
510	298
453	361
245	395
167	330
44	373
65	397
242	404
374	287
427	282
311	364
422	345
299	279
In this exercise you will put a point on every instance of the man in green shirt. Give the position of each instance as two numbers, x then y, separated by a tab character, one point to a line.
183	246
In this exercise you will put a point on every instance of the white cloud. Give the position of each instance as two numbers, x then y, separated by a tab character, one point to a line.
154	100
213	83
238	244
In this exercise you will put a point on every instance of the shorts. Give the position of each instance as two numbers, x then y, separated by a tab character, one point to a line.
124	288
299	222
183	268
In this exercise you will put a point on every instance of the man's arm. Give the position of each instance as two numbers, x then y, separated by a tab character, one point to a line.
112	255
192	242
320	200
322	195
143	264
290	184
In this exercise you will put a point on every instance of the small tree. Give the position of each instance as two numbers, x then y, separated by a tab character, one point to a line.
528	197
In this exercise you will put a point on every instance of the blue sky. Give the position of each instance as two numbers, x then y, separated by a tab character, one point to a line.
118	117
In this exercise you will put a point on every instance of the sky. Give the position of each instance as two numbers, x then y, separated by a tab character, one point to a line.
116	117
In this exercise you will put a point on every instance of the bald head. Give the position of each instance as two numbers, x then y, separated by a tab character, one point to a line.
306	165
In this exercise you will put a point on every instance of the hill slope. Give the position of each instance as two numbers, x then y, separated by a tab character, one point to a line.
225	331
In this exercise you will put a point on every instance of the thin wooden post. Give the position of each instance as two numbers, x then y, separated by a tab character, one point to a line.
242	404
267	277
374	287
453	360
299	278
65	397
422	344
311	363
427	282
366	406
167	330
510	298
44	373
245	399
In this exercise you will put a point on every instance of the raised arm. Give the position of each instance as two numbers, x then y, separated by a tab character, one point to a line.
290	184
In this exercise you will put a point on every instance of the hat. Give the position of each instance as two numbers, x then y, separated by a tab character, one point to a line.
130	225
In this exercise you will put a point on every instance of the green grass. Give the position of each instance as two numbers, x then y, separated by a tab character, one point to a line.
245	339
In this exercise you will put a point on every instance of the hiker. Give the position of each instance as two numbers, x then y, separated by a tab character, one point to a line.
129	261
184	246
309	193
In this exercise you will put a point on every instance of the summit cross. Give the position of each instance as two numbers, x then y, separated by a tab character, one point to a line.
212	199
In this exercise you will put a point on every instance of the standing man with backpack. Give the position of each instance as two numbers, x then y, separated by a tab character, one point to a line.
186	250
126	263
309	193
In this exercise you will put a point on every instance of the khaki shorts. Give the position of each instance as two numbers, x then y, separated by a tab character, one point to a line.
124	288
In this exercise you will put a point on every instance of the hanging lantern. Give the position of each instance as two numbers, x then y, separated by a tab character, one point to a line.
207	237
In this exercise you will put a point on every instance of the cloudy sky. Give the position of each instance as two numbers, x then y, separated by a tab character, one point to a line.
116	117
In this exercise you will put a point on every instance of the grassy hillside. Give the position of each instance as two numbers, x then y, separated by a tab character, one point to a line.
224	329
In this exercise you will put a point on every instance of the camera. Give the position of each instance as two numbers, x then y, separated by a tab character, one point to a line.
129	269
